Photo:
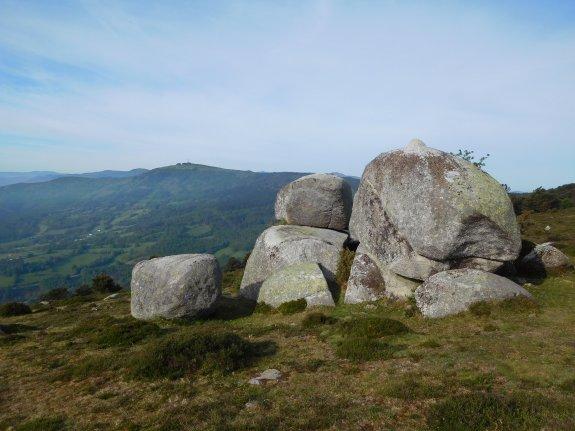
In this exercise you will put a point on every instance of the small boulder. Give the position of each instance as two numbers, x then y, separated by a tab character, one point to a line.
301	280
281	246
543	259
268	375
453	291
318	200
185	285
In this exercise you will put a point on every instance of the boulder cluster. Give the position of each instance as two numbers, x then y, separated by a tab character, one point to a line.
424	224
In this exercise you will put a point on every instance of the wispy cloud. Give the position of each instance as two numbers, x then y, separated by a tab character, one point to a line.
310	86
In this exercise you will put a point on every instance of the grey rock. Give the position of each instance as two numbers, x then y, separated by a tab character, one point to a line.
268	375
453	291
419	210
185	285
370	282
297	281
545	258
365	283
280	246
112	296
318	200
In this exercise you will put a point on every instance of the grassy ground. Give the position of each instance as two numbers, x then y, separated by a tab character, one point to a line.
86	365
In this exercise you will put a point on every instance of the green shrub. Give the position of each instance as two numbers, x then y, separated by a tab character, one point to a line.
481	308
372	327
43	424
360	349
14	309
317	319
103	283
292	307
478	411
126	333
344	266
84	290
263	308
56	294
180	355
519	304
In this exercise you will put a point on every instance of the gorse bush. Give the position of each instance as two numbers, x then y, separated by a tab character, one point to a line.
177	356
56	294
292	307
14	309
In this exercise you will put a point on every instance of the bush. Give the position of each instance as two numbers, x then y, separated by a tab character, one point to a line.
263	308
84	290
292	307
317	319
481	308
43	424
364	349
344	266
373	327
177	356
478	411
110	332
103	283
14	309
56	294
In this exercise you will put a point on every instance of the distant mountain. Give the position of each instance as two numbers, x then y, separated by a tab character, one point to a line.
8	178
63	231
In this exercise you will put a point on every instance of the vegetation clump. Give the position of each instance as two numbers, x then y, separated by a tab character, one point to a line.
292	307
478	411
344	266
103	283
373	327
56	294
110	332
14	309
481	308
177	356
43	424
359	349
317	319
263	308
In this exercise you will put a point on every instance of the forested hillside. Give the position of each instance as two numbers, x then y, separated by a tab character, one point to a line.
62	232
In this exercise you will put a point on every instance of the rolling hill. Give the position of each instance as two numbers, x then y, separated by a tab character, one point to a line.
64	231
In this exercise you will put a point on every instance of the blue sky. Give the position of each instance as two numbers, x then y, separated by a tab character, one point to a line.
301	85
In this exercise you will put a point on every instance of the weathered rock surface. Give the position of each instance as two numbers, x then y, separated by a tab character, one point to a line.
453	291
298	281
184	285
318	200
543	259
368	282
281	246
419	211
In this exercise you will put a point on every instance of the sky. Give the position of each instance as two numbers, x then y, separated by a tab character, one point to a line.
307	86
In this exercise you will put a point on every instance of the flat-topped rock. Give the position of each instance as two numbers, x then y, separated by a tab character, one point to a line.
318	200
298	281
452	292
281	246
185	285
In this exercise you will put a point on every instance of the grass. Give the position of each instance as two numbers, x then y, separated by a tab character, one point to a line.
292	307
480	411
43	424
347	368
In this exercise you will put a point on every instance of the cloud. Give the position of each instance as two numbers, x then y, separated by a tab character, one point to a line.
319	86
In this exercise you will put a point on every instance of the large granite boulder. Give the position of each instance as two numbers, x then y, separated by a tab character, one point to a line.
368	282
281	246
318	200
185	285
544	259
301	280
419	211
453	291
